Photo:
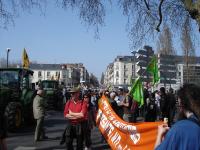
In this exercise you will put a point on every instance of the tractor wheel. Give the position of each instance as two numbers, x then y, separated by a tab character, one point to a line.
13	113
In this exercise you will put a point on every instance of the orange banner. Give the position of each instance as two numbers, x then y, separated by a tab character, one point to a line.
122	135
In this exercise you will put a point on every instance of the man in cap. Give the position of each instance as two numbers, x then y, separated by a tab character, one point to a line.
39	113
75	112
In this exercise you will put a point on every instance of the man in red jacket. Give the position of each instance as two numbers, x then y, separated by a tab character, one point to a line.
75	111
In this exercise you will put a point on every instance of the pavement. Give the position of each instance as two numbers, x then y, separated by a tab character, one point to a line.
23	139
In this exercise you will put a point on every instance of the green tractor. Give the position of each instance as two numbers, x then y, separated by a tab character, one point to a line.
16	96
53	94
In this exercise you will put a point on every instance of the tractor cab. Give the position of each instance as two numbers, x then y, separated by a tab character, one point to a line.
16	95
15	78
53	94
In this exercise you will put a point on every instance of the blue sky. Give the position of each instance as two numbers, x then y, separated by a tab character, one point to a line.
60	37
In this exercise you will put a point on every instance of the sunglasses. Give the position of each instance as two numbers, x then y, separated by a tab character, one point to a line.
85	97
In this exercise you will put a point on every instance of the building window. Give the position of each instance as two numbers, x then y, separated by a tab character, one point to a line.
125	81
117	81
64	74
117	67
48	74
125	74
117	74
39	73
197	67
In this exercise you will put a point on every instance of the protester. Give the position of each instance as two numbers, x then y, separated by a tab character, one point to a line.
93	106
184	134
151	113
67	94
172	106
64	91
126	104
157	101
134	110
75	112
113	103
3	131
39	114
88	122
142	109
107	93
121	97
94	100
164	104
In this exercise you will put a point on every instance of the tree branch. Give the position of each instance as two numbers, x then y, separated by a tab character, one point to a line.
193	8
160	15
147	5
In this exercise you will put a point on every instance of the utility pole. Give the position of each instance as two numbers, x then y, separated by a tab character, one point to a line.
8	50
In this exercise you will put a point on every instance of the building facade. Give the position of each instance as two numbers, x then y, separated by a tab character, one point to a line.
120	72
172	70
193	73
68	74
46	72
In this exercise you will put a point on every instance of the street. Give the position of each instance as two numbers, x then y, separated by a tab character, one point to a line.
23	139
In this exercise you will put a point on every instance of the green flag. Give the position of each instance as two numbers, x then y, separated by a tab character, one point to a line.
137	92
153	69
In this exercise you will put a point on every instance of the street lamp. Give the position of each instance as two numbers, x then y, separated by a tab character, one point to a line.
134	52
8	50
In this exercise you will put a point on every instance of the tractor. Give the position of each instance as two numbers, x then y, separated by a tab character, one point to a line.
16	96
53	94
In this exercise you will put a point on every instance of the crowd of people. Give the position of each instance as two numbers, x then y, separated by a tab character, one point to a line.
181	107
80	108
158	104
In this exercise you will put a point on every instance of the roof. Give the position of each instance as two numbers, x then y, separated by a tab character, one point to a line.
125	58
46	66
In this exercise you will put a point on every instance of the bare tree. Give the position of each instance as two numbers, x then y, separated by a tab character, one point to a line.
165	44
9	10
144	16
187	46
